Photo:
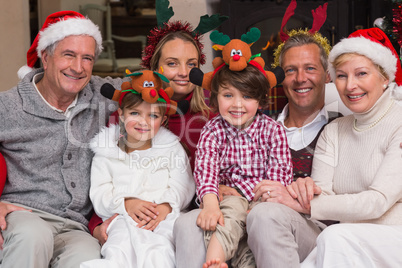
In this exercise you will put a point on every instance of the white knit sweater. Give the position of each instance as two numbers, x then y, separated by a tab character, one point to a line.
160	174
360	172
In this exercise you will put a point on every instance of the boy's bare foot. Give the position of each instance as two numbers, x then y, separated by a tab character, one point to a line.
214	263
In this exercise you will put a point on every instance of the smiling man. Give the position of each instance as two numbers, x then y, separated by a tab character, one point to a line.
304	61
46	122
291	235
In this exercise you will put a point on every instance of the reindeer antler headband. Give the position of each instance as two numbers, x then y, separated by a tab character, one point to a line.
163	14
319	17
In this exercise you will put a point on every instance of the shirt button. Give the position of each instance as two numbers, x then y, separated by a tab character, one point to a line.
73	184
69	156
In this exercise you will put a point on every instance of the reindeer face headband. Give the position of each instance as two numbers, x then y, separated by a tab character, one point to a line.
146	83
237	55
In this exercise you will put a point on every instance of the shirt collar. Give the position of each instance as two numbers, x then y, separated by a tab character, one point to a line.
250	131
322	115
37	77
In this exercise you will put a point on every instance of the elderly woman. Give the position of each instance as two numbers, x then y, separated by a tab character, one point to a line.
358	160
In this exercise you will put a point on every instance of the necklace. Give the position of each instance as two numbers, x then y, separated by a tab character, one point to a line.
375	122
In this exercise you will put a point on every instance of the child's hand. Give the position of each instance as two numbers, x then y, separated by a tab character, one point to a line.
210	215
163	209
140	211
226	190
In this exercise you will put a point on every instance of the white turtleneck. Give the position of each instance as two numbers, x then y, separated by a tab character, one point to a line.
360	172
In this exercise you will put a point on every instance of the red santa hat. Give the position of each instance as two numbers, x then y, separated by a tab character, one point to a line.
374	44
58	26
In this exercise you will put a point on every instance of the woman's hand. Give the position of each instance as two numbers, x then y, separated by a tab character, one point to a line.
141	211
304	189
210	215
163	210
100	230
226	190
275	192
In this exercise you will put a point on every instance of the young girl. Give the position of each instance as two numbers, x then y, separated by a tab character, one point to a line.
238	148
177	51
177	48
141	172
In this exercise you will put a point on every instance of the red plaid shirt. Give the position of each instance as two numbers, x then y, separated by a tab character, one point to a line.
241	158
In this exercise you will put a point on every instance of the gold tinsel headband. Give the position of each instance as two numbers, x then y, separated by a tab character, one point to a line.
319	17
323	41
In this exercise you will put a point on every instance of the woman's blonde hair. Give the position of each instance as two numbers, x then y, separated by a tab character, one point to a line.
197	103
341	59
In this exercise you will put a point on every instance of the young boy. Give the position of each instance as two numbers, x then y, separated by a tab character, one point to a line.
239	148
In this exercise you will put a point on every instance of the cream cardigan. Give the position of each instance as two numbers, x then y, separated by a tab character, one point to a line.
360	172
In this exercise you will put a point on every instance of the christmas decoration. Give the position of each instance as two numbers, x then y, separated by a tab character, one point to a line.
391	24
163	15
397	22
319	17
379	23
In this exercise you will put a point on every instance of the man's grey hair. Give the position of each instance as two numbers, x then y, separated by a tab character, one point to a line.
301	39
50	49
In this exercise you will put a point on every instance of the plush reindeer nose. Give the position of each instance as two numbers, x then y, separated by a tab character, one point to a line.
236	57
152	93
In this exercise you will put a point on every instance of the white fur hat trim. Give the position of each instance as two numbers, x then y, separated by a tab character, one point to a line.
376	52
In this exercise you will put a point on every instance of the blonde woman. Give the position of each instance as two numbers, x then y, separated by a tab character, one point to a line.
358	163
174	51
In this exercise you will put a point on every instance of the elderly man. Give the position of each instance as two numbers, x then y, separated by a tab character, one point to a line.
46	122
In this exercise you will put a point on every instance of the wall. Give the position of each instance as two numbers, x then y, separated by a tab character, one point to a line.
15	41
14	26
198	8
46	7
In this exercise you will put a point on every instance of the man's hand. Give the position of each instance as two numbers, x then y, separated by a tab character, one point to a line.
100	230
210	215
163	210
267	189
5	209
304	189
226	190
140	211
